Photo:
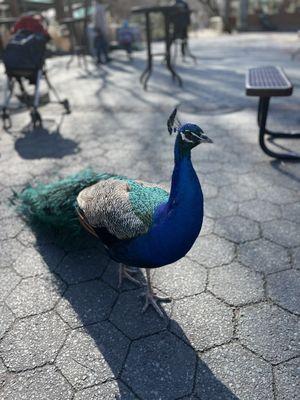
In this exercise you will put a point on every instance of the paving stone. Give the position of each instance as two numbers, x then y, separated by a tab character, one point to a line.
202	320
278	195
33	341
82	266
3	375
238	192
269	331
212	251
264	256
284	289
259	210
207	226
237	229
287	380
128	317
209	191
93	356
160	366
10	230
40	384
183	278
221	178
34	262
220	207
291	212
235	284
282	232
7	318
86	303
35	295
296	258
230	372
9	250
8	281
108	391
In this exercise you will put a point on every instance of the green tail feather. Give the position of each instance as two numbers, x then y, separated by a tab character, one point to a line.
53	205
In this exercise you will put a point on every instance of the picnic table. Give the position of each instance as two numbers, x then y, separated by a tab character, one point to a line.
167	12
266	82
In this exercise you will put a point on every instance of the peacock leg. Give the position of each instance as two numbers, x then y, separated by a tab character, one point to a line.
126	273
152	298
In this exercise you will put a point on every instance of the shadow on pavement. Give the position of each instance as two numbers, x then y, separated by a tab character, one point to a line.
111	339
44	142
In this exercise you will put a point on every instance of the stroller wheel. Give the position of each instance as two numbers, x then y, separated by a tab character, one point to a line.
66	105
36	119
6	119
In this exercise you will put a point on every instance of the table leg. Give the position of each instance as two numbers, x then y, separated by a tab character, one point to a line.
146	74
168	50
263	108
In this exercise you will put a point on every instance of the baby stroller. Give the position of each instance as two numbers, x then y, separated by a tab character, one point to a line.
24	58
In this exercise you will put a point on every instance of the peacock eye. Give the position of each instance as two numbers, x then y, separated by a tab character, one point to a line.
188	135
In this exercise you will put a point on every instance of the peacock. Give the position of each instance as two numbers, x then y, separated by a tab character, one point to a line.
140	224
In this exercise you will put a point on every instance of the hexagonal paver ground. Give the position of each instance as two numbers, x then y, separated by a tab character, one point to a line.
40	261
7	319
269	331
33	341
202	320
93	356
230	372
284	289
291	212
160	366
235	284
184	278
8	281
86	303
296	258
212	251
42	383
283	232
35	295
107	391
220	207
287	379
84	265
259	210
262	255
10	250
128	317
237	229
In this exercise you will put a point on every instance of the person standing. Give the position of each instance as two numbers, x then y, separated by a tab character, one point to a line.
101	30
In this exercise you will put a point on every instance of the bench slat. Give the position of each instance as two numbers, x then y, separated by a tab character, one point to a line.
267	82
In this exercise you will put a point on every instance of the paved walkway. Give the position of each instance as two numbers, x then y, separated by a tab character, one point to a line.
230	332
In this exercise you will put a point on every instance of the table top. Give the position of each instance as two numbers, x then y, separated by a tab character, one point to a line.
71	20
152	9
269	80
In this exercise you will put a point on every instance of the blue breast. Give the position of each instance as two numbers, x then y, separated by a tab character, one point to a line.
176	225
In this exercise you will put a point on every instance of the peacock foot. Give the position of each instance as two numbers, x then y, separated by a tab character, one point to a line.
126	273
152	299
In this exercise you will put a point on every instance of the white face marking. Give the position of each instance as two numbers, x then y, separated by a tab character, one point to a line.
185	139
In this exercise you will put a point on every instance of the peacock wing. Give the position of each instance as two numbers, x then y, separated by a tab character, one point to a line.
122	206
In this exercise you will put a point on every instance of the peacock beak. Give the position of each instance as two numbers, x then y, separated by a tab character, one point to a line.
204	139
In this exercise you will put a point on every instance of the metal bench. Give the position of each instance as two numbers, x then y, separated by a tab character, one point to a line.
266	82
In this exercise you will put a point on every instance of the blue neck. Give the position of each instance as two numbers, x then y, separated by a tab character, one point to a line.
181	156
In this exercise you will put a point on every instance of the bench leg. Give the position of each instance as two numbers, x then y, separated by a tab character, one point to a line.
263	108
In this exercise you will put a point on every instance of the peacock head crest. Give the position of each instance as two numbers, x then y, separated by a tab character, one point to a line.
190	134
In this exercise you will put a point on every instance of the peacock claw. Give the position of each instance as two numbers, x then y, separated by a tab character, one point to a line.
152	299
126	273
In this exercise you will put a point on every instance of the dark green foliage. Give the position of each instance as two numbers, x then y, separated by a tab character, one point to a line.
53	205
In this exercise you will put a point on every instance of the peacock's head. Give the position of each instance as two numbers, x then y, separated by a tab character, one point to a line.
190	134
